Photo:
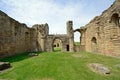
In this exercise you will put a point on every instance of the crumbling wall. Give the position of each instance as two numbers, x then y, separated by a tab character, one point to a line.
78	48
70	33
15	37
50	42
102	34
42	31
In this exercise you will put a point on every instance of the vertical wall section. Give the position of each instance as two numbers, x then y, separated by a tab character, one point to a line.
15	37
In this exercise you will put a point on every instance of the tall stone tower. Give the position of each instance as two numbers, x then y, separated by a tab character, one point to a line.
70	33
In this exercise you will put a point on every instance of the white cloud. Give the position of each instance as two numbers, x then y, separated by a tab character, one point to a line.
52	12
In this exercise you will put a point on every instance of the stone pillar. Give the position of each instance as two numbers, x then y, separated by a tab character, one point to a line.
82	38
71	44
70	33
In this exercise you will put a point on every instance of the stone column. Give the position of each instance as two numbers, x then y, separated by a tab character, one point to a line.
82	37
71	44
70	33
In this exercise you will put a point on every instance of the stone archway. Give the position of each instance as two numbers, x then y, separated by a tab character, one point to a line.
94	45
77	35
57	45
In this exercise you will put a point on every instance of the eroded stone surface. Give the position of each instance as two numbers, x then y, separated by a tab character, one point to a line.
99	68
102	34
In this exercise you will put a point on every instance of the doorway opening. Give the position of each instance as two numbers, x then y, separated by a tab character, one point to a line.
67	47
57	45
77	38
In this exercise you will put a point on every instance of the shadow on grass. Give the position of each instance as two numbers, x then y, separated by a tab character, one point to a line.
17	57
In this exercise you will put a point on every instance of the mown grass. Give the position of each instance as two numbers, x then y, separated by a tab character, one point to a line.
57	49
77	43
59	66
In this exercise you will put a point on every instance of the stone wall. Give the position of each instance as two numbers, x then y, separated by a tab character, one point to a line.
15	37
42	33
78	48
102	34
70	33
50	42
57	43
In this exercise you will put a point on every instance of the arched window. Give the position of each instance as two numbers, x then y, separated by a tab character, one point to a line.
115	19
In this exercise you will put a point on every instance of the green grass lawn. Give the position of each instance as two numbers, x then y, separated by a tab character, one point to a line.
57	49
77	43
59	66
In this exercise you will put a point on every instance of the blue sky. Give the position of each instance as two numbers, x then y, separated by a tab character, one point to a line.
54	12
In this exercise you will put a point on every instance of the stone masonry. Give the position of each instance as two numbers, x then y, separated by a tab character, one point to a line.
16	37
100	35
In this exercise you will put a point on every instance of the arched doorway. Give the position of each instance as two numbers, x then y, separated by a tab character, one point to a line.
94	45
57	45
77	37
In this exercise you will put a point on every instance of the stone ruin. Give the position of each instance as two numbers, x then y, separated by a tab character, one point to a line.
100	68
101	35
16	37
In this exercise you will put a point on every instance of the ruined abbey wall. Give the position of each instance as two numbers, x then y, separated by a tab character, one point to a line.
64	42
15	37
102	34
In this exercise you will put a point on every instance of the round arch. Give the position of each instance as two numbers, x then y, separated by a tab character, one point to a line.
57	44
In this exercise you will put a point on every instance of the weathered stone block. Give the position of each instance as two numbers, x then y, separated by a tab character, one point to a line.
4	65
99	68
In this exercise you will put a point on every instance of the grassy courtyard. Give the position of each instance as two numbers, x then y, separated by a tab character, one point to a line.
59	66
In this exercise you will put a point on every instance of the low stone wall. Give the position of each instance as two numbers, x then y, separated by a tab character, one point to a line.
79	48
